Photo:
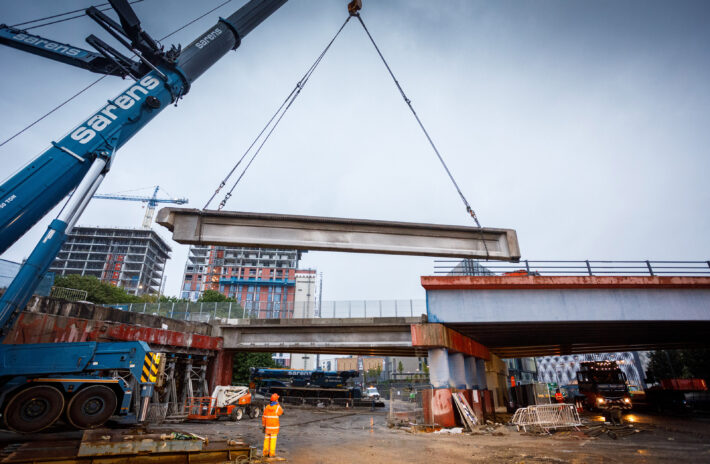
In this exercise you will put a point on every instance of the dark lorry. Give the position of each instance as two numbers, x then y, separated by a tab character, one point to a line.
603	385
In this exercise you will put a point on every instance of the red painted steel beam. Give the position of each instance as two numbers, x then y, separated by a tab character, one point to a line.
440	336
47	328
560	282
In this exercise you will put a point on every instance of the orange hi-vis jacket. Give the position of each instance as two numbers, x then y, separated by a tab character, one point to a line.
270	419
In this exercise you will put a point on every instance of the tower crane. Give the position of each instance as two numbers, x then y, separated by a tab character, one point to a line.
151	202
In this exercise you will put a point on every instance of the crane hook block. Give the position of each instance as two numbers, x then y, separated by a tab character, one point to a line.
354	6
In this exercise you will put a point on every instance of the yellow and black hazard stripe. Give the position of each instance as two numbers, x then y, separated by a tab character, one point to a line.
150	367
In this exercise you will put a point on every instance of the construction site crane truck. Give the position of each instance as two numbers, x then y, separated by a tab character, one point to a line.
603	385
91	382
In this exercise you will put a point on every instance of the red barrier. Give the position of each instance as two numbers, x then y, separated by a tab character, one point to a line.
438	405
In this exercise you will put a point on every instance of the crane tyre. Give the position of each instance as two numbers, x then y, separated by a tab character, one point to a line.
91	407
34	409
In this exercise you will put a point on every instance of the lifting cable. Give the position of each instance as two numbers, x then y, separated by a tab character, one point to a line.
104	76
469	210
279	114
64	14
271	125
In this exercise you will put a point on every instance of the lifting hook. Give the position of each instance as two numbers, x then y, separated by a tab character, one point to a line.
354	6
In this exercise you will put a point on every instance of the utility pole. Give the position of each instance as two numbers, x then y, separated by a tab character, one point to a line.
320	306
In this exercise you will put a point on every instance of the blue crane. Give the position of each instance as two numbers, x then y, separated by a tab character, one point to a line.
151	202
88	383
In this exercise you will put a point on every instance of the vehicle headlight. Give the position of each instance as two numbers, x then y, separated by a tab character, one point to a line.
600	400
627	400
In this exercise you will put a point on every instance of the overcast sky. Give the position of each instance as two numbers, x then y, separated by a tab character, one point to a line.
581	124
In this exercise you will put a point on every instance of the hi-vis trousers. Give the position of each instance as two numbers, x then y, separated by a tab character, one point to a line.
270	444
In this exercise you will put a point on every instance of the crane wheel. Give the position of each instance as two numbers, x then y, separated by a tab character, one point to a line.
91	407
254	412
237	414
34	409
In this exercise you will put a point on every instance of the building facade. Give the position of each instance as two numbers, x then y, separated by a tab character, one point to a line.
130	258
262	280
523	370
562	370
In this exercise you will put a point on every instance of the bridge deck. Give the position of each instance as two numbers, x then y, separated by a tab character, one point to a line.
540	315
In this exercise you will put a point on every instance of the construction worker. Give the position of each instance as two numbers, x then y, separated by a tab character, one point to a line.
559	397
270	425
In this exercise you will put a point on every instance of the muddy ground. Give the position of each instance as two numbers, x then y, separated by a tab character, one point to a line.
311	436
316	436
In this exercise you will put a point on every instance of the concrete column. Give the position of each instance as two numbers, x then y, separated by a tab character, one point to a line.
469	364
439	367
221	369
457	371
481	374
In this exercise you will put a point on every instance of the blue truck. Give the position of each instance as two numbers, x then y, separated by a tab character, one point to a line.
90	383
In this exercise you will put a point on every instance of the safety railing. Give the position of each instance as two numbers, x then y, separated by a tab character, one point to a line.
226	311
370	308
585	267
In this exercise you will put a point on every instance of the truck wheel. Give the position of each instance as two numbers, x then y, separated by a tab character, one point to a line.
34	409
237	414
91	407
254	412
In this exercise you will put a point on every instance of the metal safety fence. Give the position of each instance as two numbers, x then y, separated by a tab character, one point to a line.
69	294
468	267
406	406
226	311
544	417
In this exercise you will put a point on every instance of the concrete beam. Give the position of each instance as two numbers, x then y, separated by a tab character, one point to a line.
382	336
438	335
231	228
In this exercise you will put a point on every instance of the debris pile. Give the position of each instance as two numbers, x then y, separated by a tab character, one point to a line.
615	431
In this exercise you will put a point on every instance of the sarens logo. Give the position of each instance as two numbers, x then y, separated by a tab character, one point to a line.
106	116
208	38
48	44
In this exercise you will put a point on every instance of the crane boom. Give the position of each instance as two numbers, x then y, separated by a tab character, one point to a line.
79	161
28	195
49	374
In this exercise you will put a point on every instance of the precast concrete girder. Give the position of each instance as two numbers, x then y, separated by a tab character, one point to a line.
231	228
385	336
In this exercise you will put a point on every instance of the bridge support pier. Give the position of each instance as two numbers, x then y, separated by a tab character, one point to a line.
457	371
481	374
439	370
470	373
451	370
